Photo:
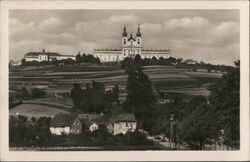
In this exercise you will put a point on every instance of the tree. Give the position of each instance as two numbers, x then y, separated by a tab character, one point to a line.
76	94
23	61
36	92
197	128
225	99
154	60
127	63
179	60
78	58
138	59
140	97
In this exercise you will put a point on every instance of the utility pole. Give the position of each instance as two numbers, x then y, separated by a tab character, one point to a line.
172	133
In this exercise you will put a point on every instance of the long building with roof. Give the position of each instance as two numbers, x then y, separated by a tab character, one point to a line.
130	46
46	56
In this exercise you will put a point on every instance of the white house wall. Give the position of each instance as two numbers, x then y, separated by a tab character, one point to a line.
123	127
60	130
93	127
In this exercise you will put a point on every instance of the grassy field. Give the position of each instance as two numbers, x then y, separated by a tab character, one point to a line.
35	110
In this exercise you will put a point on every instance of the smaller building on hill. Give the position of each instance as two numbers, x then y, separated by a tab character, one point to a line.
46	56
122	123
190	62
65	124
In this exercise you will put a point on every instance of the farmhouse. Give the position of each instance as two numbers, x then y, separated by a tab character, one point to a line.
130	46
65	124
46	56
122	123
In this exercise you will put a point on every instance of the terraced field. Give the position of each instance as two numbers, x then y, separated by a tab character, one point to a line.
163	77
173	81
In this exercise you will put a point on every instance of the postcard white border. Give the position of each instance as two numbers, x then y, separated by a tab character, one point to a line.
242	154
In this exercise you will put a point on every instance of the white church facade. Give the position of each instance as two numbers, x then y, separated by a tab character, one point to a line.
130	47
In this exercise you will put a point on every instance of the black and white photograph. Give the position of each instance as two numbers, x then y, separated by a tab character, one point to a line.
104	80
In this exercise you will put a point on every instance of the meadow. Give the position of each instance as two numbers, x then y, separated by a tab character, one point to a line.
35	110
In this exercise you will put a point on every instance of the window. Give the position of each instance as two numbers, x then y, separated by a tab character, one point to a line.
126	124
138	41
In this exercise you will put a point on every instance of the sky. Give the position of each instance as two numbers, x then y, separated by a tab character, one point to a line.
211	36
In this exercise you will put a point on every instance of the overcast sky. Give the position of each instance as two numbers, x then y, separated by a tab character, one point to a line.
203	35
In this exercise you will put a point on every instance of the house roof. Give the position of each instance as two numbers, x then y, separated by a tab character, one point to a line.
125	117
41	53
63	120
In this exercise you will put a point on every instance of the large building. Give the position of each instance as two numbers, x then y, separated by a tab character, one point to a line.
46	56
130	46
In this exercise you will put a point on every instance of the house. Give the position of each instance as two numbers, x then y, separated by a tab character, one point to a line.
93	126
122	123
65	124
190	62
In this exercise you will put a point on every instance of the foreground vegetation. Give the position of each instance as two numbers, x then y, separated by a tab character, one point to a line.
35	133
194	122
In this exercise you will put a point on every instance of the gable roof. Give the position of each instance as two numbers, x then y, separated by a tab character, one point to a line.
131	38
63	120
125	117
41	53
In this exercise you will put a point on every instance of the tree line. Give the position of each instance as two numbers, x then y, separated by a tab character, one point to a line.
177	63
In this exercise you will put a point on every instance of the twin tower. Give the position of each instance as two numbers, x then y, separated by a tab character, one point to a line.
131	46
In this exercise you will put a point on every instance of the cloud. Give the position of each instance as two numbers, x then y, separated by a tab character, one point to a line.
52	25
196	37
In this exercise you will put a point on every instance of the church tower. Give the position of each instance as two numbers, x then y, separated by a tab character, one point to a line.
124	37
138	37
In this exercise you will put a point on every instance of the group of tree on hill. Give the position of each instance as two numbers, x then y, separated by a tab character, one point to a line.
199	121
177	63
93	99
86	58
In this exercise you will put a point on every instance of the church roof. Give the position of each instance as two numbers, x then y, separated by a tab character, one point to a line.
131	37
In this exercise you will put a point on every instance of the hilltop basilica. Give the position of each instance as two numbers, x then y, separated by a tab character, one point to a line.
130	46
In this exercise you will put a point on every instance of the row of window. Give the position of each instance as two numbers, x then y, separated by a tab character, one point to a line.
129	52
